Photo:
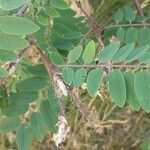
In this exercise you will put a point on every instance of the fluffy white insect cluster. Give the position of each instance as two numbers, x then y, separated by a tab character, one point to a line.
63	130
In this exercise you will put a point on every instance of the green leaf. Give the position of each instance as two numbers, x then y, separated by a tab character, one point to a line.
94	80
79	77
60	4
3	73
63	44
53	102
131	35
117	87
129	14
144	36
74	54
120	34
11	4
17	25
55	56
118	15
7	55
145	58
22	98
72	35
32	84
42	20
137	53
51	11
23	137
89	52
131	96
49	116
145	145
68	75
9	124
108	52
38	127
10	42
123	52
142	88
37	70
14	110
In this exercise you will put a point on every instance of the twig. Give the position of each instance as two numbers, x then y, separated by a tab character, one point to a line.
22	10
103	66
53	74
128	25
138	7
137	122
94	26
80	106
109	113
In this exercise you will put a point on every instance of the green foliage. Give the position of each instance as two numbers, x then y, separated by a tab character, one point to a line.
11	4
9	124
131	97
142	86
108	52
23	137
11	42
129	14
38	127
74	54
17	26
3	73
94	80
68	75
117	87
60	35
89	52
79	78
118	16
59	4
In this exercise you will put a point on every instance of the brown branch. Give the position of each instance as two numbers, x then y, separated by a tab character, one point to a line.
22	10
94	26
73	93
104	66
128	25
80	106
138	7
